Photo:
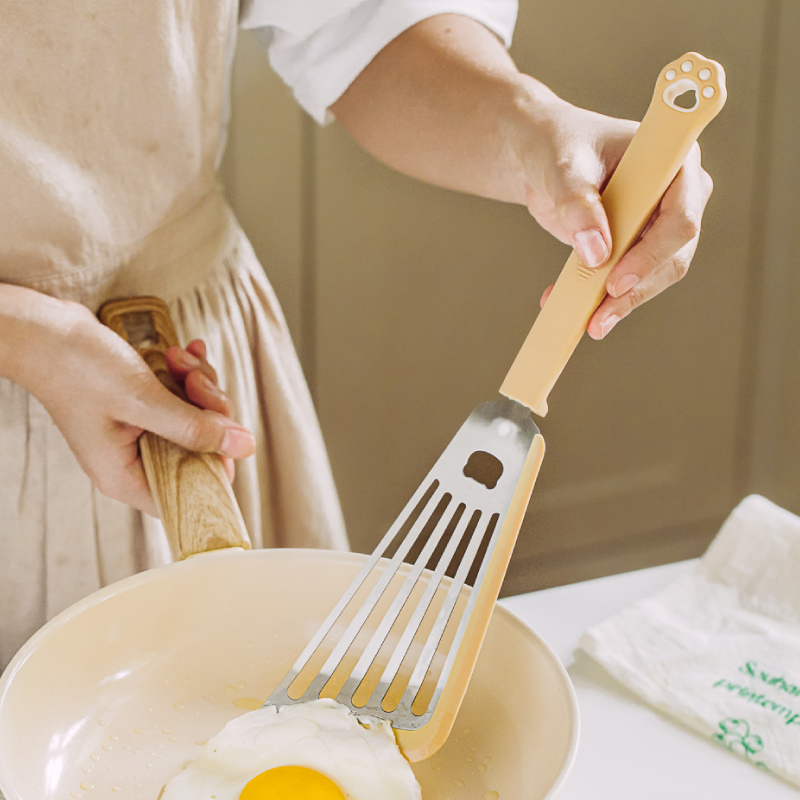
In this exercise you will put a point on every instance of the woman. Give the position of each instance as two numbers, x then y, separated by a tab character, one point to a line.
112	123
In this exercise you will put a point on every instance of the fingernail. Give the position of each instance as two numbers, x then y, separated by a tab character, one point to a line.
188	360
607	324
208	384
624	284
591	247
237	443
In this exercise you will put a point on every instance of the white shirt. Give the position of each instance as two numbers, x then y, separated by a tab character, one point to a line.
319	47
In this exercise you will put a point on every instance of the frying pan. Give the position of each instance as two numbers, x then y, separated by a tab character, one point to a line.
115	695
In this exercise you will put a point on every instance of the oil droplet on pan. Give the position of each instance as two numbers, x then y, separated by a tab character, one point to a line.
177	705
492	796
86	786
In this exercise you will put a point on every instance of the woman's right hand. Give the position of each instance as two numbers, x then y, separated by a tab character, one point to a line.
102	396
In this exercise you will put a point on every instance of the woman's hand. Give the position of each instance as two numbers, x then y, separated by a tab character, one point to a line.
190	367
567	157
102	396
445	103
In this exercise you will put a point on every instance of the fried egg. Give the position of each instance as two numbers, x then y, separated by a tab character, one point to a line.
308	751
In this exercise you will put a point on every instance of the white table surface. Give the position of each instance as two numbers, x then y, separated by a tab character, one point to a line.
627	750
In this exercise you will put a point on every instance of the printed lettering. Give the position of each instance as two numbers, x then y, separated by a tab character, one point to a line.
749	668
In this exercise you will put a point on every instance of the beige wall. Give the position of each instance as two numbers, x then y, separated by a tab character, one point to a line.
409	302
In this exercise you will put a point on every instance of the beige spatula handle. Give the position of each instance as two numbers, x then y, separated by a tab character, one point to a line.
192	492
650	164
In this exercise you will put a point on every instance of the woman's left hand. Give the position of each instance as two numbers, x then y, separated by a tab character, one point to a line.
190	367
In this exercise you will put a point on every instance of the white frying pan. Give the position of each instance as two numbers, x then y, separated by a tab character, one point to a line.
115	695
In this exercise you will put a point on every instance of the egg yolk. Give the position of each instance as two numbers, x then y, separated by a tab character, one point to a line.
291	783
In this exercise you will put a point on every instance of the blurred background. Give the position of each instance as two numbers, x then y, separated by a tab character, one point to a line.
408	303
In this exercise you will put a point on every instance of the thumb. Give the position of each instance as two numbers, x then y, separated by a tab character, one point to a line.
193	428
583	219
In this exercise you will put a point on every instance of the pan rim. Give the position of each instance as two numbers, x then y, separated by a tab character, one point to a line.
295	554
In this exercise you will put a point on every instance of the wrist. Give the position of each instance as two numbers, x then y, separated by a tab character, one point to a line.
33	327
532	130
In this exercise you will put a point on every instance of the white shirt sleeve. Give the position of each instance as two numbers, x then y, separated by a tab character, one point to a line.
319	47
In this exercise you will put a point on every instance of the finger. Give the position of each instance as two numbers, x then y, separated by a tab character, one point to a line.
158	410
120	475
229	465
613	309
580	212
545	295
676	224
205	394
138	491
182	362
197	347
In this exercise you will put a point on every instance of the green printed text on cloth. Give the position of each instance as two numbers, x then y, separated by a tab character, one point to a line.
719	649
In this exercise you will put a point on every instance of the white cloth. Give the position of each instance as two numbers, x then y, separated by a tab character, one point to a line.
719	649
319	47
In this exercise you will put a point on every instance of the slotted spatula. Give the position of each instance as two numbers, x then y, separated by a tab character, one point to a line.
403	640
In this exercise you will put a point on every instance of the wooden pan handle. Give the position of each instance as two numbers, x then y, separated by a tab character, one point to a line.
651	162
192	492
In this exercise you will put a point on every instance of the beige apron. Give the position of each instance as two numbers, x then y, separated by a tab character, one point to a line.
111	128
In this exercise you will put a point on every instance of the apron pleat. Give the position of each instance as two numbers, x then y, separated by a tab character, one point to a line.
22	520
72	565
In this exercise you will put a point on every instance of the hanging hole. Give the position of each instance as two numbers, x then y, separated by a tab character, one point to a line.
484	468
682	95
140	328
687	100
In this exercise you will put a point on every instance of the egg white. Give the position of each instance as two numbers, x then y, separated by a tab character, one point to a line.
359	754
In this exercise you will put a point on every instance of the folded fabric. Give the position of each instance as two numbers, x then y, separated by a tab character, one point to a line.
719	649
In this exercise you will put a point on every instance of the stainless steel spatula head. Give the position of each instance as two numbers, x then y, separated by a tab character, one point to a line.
388	647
